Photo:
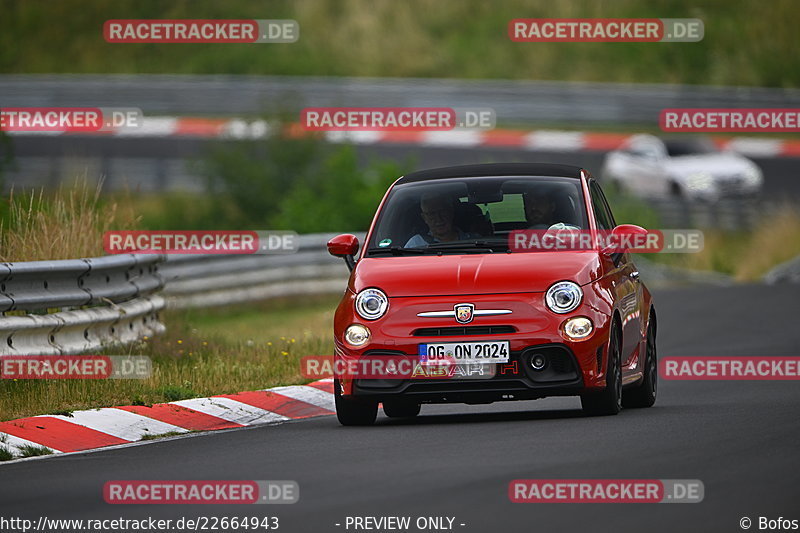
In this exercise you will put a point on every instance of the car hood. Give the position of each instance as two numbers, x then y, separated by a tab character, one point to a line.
719	165
434	275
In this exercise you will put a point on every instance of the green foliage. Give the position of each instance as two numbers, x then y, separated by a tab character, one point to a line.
746	43
299	184
629	209
174	393
339	197
29	450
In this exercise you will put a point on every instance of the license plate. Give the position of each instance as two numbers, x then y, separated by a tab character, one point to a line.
465	352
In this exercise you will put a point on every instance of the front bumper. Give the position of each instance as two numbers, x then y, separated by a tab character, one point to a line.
515	380
572	367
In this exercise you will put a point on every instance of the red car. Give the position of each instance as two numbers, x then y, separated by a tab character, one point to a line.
439	282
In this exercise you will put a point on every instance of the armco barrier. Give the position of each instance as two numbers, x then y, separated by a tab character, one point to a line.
116	299
211	280
80	305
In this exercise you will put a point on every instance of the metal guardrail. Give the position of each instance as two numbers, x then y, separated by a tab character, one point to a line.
97	302
729	214
41	285
213	280
512	100
117	299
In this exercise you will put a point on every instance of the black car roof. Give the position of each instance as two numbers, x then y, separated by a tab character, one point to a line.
494	169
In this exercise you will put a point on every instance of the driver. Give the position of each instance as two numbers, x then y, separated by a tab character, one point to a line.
540	208
438	213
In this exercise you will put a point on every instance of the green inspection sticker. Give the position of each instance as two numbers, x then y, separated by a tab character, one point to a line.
384	243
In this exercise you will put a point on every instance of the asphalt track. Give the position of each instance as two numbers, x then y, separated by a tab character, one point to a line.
739	437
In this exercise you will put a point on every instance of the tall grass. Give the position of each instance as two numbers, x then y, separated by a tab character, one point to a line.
745	255
66	224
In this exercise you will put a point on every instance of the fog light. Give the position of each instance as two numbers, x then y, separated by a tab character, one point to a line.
538	362
578	328
356	335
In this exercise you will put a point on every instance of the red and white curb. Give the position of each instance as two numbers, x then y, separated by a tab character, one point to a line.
97	428
553	140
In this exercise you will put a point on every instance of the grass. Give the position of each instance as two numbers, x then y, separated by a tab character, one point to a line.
163	435
745	255
29	450
203	353
66	224
414	38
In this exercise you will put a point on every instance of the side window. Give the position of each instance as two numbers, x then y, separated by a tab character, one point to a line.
601	211
608	207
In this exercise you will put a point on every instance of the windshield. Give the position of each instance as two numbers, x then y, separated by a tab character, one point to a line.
473	215
694	146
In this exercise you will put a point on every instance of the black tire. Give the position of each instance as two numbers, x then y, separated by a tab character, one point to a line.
354	411
644	393
608	401
400	409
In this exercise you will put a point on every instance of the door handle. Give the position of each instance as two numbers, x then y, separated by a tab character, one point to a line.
634	275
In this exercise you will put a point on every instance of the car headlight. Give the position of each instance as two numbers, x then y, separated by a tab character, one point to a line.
563	297
371	304
356	335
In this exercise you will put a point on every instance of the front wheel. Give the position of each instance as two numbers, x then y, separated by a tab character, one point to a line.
644	394
608	401
354	411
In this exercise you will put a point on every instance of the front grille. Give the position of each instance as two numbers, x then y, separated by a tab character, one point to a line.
457	331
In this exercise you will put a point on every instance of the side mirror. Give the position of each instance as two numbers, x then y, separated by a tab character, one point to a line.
346	247
623	238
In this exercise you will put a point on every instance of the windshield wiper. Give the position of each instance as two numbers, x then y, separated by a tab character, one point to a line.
469	245
396	250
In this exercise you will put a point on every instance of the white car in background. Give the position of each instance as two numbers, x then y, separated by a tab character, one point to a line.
690	168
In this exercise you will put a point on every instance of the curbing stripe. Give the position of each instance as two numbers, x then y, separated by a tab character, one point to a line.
118	423
309	395
568	141
98	428
278	403
323	385
181	416
13	444
58	434
232	411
